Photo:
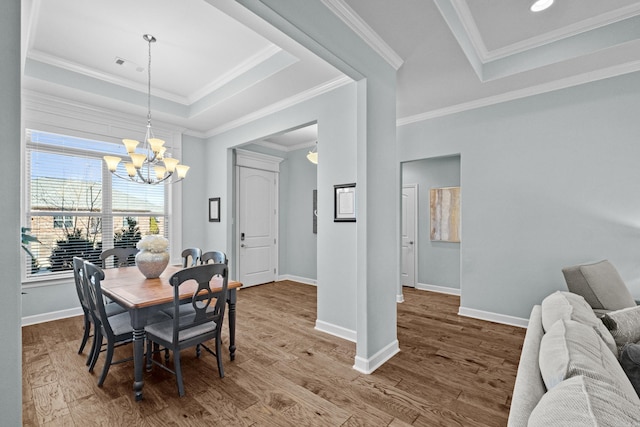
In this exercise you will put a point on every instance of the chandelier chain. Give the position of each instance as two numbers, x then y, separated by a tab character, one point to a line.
156	166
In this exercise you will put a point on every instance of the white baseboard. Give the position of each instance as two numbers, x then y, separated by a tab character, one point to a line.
493	317
54	315
304	280
367	366
338	331
439	289
400	298
473	313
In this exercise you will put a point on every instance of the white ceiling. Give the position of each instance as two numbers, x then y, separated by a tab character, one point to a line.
216	65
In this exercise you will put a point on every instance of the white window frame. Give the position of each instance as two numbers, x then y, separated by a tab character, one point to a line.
48	114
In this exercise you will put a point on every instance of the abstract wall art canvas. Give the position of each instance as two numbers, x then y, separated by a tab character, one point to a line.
444	204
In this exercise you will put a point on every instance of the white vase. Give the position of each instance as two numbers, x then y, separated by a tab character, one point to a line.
152	264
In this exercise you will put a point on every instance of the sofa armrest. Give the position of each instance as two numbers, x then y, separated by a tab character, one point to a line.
529	387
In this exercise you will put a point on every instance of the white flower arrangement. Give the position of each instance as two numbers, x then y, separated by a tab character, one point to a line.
153	243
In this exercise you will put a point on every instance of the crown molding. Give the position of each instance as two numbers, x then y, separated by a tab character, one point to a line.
576	80
109	78
234	73
286	149
281	105
568	31
364	31
39	102
485	55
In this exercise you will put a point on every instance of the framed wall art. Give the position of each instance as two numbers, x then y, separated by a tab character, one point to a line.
214	209
444	206
344	203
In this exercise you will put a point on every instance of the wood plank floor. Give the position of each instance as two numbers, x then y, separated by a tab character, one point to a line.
451	371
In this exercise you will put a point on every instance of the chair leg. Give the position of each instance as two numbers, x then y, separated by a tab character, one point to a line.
219	356
178	369
107	363
92	352
198	350
149	356
87	331
97	345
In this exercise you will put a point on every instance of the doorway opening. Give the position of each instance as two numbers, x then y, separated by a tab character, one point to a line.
437	263
274	188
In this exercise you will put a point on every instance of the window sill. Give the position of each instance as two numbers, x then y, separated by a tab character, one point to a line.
50	279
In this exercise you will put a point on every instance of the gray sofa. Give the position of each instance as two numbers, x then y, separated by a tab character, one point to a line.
569	373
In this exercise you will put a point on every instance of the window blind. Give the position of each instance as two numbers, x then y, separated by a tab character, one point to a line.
75	207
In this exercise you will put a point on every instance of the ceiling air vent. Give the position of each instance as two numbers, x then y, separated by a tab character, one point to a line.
129	64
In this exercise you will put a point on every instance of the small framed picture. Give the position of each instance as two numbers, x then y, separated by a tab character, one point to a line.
214	209
344	203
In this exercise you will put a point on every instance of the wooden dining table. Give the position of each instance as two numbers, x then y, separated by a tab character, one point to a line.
143	297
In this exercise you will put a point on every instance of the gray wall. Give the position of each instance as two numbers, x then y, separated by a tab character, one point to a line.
10	303
438	262
299	257
548	181
336	139
195	199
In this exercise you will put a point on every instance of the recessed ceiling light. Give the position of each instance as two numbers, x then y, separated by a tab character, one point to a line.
541	5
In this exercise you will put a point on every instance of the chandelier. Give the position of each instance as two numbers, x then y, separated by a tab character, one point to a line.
153	165
312	156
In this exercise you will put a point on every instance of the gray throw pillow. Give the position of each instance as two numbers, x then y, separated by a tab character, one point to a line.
600	284
630	361
624	325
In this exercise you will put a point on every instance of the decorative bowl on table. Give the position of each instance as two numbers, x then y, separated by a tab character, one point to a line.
153	257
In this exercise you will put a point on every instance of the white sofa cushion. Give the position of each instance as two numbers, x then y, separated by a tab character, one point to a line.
624	325
529	387
582	401
570	349
565	305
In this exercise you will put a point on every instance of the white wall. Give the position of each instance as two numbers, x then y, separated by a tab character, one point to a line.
10	129
548	181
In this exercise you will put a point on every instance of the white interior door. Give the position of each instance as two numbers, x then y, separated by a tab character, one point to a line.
409	235
257	226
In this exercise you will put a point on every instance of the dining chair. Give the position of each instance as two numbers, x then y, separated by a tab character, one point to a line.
191	253
110	309
188	331
123	257
218	257
116	329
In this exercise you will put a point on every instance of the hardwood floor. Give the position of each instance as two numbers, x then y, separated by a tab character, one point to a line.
451	370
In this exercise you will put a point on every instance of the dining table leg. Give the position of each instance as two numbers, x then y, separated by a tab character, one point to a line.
138	322
231	301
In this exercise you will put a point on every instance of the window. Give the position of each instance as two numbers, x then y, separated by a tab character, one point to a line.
75	207
62	221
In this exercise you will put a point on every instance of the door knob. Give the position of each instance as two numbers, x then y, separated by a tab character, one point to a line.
242	245
411	242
